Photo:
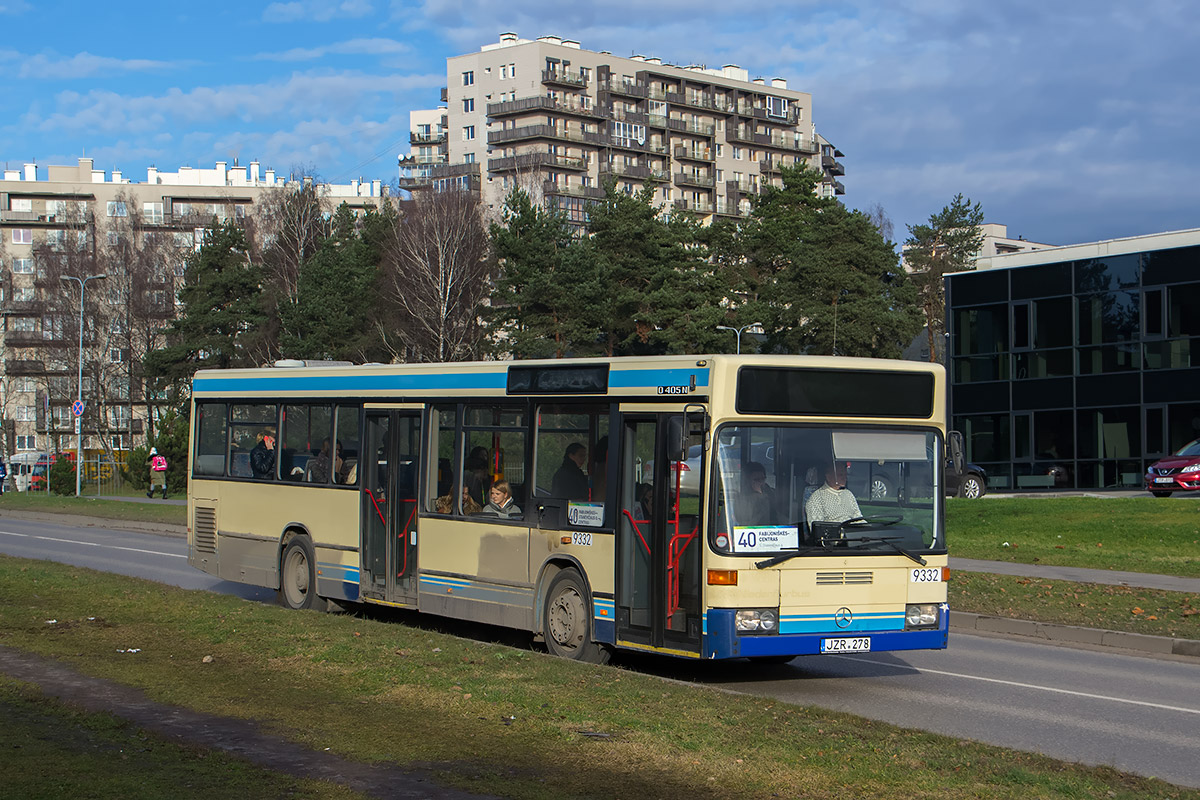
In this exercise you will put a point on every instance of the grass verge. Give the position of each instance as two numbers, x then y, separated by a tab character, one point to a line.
149	511
497	719
1089	605
50	751
1135	534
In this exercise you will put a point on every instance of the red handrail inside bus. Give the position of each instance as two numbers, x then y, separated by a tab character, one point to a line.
636	527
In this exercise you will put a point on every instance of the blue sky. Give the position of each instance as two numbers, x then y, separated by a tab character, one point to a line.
1069	120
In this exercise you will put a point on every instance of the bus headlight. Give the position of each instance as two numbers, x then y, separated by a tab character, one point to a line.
757	620
921	615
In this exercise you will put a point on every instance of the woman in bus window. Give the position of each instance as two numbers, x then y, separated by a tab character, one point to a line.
502	504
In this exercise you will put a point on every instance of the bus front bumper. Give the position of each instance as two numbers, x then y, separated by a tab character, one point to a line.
722	640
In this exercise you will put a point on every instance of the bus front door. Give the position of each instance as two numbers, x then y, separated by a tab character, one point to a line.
658	540
389	496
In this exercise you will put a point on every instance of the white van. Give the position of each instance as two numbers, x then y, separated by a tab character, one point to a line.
23	467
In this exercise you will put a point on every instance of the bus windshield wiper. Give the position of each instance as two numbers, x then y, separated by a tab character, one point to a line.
890	542
782	557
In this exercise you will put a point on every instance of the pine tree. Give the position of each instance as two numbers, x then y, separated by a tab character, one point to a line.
946	244
221	312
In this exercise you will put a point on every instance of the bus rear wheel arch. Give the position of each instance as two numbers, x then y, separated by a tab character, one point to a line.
567	620
298	575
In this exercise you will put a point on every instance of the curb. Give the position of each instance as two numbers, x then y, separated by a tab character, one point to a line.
161	528
1074	635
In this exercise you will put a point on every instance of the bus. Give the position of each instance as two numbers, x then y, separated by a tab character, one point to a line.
675	504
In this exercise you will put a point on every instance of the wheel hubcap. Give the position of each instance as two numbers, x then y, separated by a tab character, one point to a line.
566	612
296	578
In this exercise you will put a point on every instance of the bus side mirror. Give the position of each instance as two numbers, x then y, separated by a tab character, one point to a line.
955	443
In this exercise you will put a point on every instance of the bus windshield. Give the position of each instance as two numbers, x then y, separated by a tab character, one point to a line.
810	489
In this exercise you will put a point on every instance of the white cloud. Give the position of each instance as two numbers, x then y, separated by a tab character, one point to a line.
317	10
83	65
365	47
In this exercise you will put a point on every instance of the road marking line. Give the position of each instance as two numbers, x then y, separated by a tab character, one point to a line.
94	544
1020	685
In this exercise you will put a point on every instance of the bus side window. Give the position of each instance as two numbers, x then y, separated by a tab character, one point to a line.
440	475
348	438
212	431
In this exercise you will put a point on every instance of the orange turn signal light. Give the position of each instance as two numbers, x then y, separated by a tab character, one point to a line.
722	577
945	574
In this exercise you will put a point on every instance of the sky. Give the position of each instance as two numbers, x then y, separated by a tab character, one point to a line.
1067	120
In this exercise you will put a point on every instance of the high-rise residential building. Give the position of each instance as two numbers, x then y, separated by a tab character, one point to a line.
560	121
77	220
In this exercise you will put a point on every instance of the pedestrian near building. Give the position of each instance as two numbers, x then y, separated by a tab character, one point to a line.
158	472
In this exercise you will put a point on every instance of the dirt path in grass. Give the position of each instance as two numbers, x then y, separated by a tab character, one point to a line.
238	737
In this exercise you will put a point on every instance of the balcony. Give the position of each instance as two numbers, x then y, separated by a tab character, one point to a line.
832	165
838	188
702	100
550	188
694	154
625	88
427	138
544	132
24	367
31	339
694	206
633	171
535	161
770	166
690	179
729	208
563	77
444	172
525	105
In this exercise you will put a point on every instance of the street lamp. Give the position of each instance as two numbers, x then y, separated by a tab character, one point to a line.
79	397
738	331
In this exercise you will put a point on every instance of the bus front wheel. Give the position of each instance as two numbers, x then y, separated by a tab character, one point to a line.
567	620
298	575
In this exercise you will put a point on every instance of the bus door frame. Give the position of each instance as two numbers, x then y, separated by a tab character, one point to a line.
400	519
665	547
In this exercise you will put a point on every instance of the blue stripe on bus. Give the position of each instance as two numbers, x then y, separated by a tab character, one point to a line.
350	384
721	639
495	381
338	572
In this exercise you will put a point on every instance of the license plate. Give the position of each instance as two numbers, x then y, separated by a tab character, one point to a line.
858	644
1164	480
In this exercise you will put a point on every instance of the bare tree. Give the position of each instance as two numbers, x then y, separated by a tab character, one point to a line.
881	221
436	275
289	225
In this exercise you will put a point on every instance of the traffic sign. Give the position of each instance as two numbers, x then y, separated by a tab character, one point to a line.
77	408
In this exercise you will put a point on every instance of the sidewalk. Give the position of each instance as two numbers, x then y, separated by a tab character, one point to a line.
1071	634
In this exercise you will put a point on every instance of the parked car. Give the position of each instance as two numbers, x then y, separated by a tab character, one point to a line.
1177	472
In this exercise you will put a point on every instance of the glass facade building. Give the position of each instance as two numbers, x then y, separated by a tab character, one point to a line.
1074	367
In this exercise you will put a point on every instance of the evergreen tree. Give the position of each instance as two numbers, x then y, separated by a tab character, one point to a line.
331	316
221	310
820	277
948	243
662	295
545	282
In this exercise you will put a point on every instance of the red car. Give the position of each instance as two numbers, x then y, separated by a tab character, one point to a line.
1178	472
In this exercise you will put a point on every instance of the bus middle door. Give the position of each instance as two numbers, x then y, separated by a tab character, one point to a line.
658	538
389	496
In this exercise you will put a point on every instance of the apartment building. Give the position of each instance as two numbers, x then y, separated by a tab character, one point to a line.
78	220
560	121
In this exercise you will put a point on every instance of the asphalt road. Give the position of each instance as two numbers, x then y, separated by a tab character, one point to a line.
1137	714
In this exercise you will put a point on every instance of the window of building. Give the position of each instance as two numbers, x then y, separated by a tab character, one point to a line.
22	266
468	133
22	236
117	441
737	153
468	105
512	70
777	106
114	238
27	442
153	213
504	71
468	78
23	324
23	294
26	413
22	204
468	158
116	208
24	385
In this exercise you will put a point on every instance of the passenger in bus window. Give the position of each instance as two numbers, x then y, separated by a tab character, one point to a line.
833	502
476	477
445	505
642	509
262	455
327	462
502	504
756	505
570	481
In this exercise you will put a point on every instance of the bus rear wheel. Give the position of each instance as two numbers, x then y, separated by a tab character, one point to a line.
567	620
298	575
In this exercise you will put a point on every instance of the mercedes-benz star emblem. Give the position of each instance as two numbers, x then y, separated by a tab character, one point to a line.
843	617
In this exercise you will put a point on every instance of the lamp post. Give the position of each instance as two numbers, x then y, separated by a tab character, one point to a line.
79	397
738	331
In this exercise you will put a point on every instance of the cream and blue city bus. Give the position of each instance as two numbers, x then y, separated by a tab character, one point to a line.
661	504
